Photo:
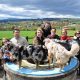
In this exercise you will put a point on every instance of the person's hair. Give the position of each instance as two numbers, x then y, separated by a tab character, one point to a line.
4	39
39	29
48	22
77	32
53	29
43	25
16	29
64	30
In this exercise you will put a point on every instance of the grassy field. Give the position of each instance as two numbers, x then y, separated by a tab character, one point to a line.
30	34
9	35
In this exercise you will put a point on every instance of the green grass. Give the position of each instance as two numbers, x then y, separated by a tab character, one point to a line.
30	34
70	32
9	34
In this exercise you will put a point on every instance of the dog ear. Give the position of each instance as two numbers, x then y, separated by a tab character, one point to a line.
21	48
35	46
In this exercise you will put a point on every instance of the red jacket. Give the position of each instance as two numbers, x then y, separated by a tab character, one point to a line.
65	38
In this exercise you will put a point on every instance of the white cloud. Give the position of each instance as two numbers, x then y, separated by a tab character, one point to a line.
5	7
26	12
4	16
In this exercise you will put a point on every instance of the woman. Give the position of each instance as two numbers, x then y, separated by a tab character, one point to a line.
46	27
64	36
5	53
38	39
4	41
77	38
2	49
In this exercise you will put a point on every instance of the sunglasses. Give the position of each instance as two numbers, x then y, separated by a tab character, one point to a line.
77	33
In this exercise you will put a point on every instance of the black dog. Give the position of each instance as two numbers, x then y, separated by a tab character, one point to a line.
28	51
37	54
23	53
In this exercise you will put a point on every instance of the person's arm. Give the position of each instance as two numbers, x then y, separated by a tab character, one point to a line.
25	42
2	51
0	54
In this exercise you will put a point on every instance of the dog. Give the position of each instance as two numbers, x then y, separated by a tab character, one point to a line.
59	54
28	51
36	53
39	55
11	53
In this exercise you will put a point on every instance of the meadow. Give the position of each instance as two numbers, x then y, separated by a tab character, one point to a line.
30	34
9	35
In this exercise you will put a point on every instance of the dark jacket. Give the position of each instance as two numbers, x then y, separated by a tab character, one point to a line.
54	37
46	30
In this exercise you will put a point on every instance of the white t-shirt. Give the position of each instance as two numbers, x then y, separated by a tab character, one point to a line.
19	41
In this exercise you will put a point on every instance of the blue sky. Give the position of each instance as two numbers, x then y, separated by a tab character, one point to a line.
39	9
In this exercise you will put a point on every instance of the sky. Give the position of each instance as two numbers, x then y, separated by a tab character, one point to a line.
23	9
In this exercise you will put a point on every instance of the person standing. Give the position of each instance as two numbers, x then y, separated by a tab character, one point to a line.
46	27
17	39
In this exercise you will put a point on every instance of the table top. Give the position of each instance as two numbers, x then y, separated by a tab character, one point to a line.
73	65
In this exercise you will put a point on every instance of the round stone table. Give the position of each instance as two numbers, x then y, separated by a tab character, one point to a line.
69	72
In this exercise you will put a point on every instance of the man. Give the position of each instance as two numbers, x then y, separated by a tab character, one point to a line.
17	39
53	34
